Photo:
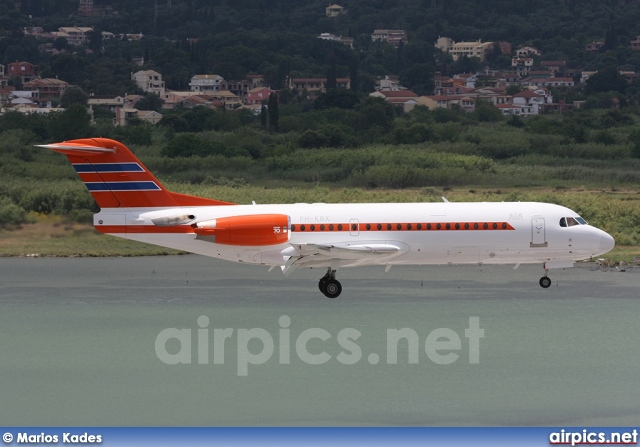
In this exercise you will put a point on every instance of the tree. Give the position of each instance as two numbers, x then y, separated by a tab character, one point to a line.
61	43
419	78
634	138
199	118
515	121
608	79
263	115
374	112
150	102
273	112
400	59
73	123
184	145
95	40
340	98
513	89
332	74
311	139
68	67
487	112
282	74
610	40
353	74
73	95
466	64
175	123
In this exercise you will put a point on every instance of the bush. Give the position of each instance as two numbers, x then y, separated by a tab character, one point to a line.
515	121
311	139
200	145
412	134
10	213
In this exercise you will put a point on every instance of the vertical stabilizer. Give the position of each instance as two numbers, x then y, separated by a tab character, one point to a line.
117	179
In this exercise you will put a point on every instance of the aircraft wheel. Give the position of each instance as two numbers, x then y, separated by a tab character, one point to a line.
322	285
333	288
545	282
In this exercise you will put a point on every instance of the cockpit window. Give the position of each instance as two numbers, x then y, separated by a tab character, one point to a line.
572	221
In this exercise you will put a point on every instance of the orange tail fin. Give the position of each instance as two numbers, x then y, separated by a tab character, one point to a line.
117	179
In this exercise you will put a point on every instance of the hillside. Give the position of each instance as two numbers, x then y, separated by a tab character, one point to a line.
234	38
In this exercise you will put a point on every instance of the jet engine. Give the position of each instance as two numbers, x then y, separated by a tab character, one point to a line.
252	230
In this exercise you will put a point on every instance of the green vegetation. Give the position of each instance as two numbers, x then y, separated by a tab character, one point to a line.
51	235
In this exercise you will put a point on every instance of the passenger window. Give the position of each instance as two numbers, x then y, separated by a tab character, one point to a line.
563	222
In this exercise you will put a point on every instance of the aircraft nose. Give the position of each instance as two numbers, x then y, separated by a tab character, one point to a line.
606	242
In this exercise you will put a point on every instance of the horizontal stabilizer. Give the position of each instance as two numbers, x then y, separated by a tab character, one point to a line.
77	148
171	221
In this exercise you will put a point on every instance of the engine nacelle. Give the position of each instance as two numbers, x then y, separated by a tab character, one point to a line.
252	230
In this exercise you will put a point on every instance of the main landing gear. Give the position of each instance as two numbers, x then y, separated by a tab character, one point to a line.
329	285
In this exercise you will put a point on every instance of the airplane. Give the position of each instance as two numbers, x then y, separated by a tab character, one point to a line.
134	205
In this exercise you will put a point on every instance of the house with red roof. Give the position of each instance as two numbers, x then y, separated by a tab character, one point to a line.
211	101
555	66
522	65
405	99
528	51
257	95
531	98
548	82
47	88
505	48
316	84
26	71
594	46
465	102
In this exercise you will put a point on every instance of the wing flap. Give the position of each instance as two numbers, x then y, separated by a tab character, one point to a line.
321	255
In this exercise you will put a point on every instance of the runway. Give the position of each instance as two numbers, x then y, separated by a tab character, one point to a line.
79	345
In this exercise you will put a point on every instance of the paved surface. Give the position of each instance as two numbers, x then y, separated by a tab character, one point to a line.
78	345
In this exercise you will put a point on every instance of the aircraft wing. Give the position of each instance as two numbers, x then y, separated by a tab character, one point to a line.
317	255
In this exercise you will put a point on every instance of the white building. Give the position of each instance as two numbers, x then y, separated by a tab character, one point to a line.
75	35
206	83
477	49
150	81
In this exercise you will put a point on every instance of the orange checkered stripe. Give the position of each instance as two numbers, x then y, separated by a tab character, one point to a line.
418	226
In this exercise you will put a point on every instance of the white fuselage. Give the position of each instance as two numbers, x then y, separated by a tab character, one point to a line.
524	232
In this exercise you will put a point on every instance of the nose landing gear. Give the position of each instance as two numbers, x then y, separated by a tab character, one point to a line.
329	285
545	282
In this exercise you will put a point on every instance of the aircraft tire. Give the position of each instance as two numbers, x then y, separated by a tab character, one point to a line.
333	288
545	282
322	285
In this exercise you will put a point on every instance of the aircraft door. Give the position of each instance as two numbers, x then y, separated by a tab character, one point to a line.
538	234
354	227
